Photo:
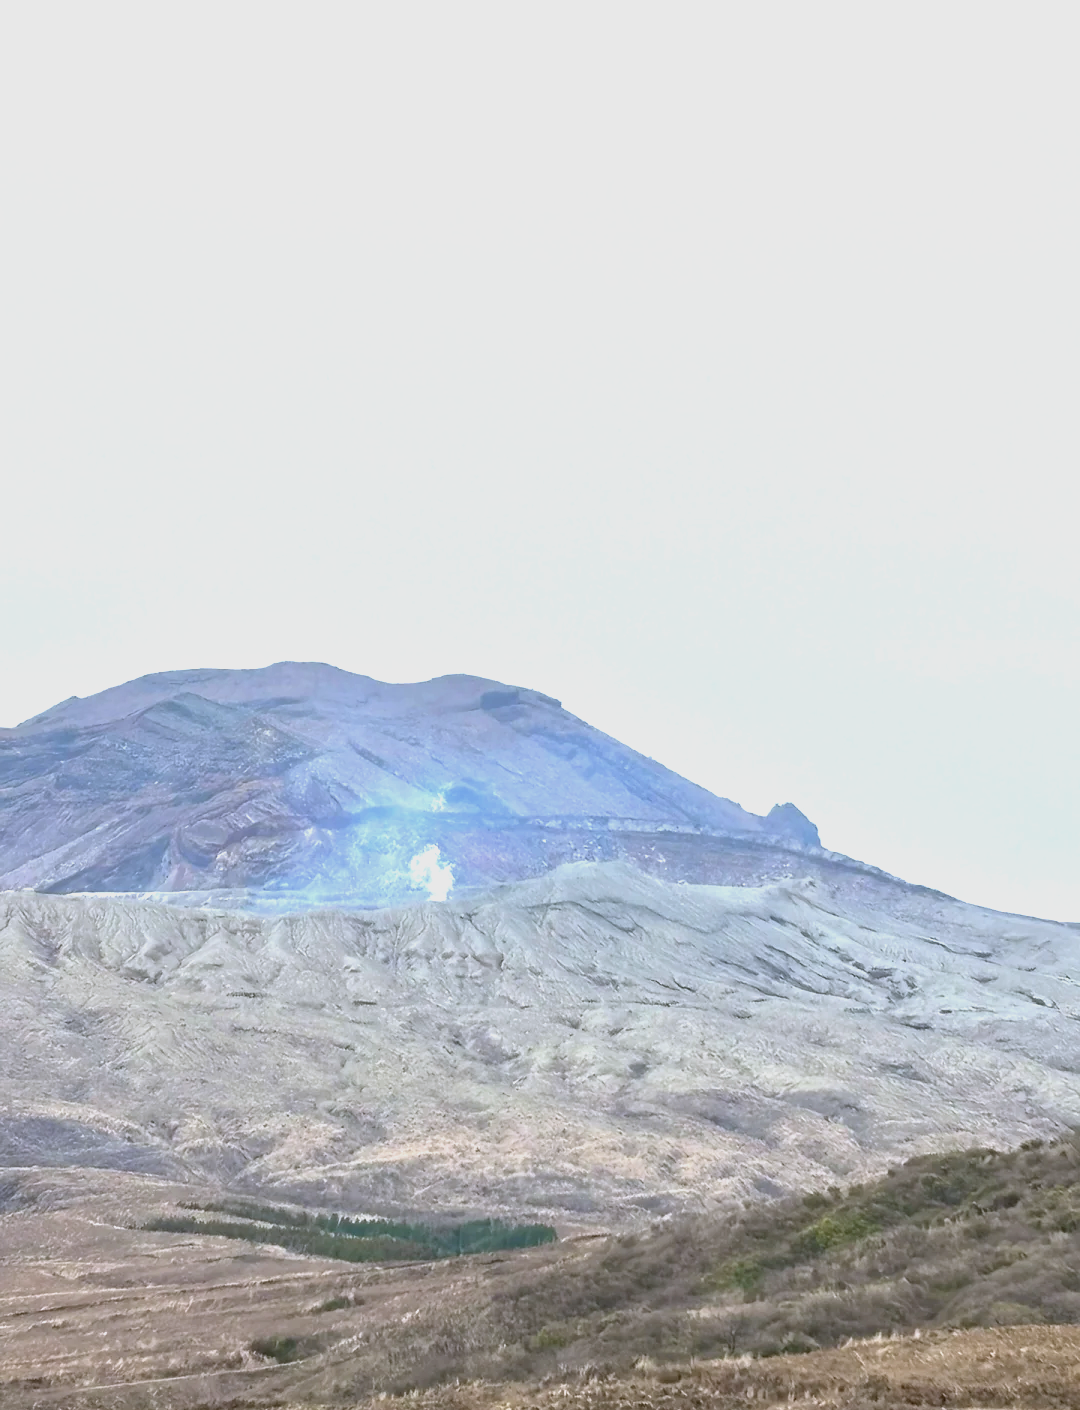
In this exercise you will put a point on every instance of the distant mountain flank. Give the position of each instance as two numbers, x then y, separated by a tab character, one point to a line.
303	778
594	1044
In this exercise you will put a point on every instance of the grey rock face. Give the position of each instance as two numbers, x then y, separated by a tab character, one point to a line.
303	777
594	1045
786	821
43	1141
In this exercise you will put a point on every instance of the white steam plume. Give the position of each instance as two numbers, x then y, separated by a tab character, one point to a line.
427	869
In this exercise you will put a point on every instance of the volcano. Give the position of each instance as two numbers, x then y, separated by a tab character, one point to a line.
304	780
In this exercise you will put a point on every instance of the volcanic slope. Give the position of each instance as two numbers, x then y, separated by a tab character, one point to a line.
301	776
595	1045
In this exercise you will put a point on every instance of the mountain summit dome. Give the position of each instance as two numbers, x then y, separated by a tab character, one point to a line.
300	775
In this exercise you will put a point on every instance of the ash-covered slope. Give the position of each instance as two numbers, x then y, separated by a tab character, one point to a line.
595	1044
301	776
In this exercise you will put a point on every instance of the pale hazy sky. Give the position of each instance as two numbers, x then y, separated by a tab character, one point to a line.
711	366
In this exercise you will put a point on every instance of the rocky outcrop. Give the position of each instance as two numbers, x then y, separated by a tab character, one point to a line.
787	822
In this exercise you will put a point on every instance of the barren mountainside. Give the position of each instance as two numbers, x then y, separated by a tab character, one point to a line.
303	777
595	1045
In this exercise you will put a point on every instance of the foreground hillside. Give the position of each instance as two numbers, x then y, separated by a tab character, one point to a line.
1036	1367
309	779
101	1309
594	1047
977	1238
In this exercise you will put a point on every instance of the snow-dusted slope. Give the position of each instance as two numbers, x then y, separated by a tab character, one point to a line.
594	1043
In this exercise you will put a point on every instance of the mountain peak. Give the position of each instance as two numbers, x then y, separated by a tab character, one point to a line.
301	775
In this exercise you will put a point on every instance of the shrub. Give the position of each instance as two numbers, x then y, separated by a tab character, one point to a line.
746	1274
281	1349
833	1231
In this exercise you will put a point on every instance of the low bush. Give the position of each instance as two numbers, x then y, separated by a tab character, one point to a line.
282	1349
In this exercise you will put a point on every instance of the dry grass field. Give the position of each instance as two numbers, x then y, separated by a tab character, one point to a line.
966	1266
1015	1366
96	1311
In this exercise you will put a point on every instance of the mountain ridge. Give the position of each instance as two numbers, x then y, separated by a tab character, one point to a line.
303	773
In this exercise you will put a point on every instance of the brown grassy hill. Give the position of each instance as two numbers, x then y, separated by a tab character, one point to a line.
100	1312
966	1239
1018	1366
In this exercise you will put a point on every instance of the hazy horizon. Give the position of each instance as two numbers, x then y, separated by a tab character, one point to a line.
710	368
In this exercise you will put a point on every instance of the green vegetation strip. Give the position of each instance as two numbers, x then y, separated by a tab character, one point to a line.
354	1240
